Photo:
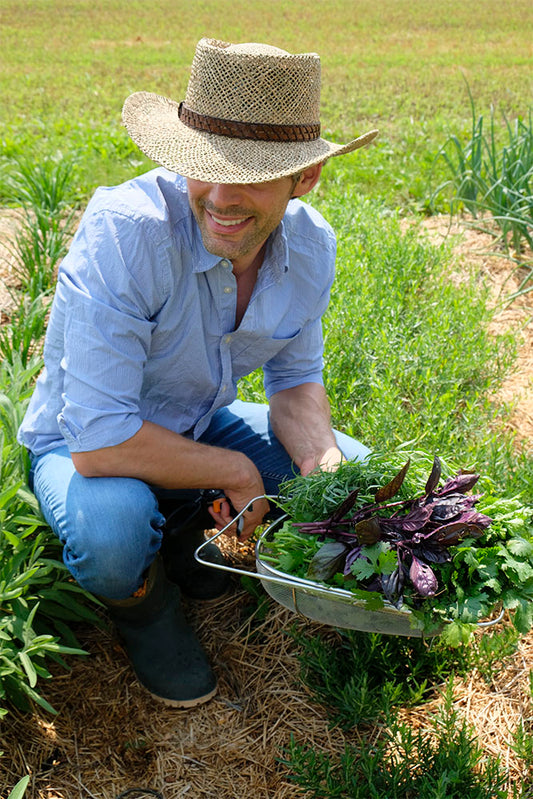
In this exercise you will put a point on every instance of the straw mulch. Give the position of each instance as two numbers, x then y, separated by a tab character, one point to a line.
109	735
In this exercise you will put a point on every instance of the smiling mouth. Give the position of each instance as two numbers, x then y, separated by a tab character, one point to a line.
228	222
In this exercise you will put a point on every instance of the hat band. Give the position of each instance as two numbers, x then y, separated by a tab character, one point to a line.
259	131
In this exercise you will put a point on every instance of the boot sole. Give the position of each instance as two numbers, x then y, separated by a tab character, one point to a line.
185	703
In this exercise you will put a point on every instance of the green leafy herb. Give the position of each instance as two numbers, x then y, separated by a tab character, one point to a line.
410	529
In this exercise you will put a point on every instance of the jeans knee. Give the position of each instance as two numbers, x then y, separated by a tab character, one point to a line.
113	540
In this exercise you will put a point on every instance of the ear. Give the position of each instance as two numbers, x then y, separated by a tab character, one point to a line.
307	180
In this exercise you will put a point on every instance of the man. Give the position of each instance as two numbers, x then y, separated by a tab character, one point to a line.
177	284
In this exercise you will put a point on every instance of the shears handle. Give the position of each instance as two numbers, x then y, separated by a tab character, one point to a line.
215	497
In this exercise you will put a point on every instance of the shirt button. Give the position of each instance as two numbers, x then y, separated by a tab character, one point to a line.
223	389
228	290
227	339
225	264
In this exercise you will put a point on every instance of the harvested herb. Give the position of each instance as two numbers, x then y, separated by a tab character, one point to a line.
414	532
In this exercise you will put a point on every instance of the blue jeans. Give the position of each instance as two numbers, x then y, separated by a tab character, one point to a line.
111	527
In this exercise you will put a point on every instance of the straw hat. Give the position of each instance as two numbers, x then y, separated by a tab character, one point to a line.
251	114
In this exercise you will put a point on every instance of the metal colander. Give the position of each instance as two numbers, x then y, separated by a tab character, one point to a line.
326	604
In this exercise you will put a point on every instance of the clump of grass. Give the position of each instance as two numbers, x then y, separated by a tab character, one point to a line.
490	178
43	193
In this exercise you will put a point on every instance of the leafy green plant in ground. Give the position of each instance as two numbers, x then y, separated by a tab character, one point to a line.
361	677
38	600
445	762
488	177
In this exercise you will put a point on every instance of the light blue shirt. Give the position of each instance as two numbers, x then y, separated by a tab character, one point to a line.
142	325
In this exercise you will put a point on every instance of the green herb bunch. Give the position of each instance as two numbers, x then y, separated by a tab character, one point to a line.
406	532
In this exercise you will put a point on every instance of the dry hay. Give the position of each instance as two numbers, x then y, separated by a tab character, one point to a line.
109	735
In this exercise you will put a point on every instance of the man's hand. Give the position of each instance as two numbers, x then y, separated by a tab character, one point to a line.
300	418
329	462
163	458
239	498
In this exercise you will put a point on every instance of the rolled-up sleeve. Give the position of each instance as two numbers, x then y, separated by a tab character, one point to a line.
107	332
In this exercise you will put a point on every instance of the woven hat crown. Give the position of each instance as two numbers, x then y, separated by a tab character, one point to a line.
254	83
251	114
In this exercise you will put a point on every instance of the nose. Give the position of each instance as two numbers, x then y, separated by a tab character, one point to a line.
226	195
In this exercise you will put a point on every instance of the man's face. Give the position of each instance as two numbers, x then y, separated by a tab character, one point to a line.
235	220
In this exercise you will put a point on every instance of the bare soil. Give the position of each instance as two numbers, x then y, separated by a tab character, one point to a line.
109	735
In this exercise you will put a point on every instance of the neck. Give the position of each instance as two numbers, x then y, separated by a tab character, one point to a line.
246	277
250	262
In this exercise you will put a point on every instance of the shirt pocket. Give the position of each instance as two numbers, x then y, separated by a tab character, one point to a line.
256	350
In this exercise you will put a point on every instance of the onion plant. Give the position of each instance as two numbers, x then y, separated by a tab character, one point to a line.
489	178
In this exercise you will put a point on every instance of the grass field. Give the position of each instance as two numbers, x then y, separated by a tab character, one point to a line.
399	65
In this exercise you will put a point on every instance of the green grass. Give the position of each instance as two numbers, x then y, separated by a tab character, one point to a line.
398	65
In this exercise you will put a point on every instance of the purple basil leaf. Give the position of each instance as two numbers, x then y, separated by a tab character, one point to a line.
449	539
447	508
447	534
327	561
352	556
423	578
431	554
388	491
368	531
346	505
434	477
460	484
476	518
415	520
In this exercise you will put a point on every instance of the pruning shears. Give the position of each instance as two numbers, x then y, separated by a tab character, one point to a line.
215	497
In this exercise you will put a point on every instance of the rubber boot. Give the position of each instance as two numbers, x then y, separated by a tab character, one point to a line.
182	535
163	649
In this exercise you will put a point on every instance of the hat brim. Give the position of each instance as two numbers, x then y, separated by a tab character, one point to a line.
153	123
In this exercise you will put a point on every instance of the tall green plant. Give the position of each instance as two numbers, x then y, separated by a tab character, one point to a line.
43	191
38	599
494	178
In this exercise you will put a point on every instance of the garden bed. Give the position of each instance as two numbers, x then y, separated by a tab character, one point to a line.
109	736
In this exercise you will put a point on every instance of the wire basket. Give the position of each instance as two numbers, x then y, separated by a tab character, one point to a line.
326	604
323	603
